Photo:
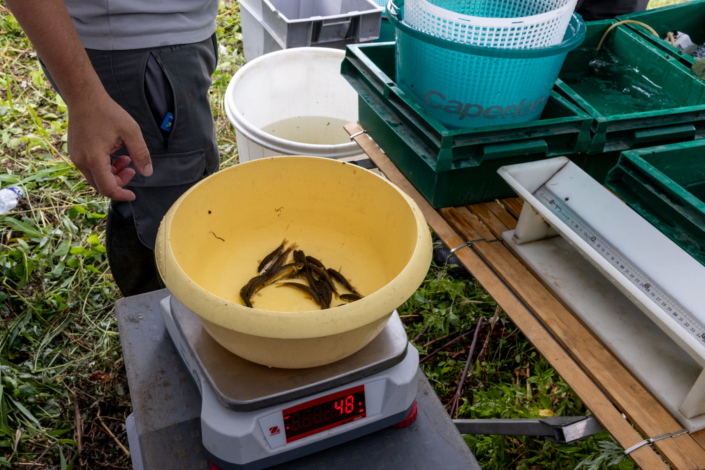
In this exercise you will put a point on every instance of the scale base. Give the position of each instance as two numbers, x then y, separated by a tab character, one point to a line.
249	434
644	348
220	464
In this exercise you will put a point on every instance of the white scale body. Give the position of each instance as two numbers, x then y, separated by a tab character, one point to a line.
257	438
638	291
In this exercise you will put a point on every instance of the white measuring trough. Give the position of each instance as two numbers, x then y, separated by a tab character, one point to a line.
639	292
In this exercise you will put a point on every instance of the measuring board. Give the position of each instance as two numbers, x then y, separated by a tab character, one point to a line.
617	259
640	293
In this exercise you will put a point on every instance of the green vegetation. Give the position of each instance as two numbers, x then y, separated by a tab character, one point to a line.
59	344
63	390
510	380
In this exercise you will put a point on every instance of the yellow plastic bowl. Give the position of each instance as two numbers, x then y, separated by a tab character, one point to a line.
212	239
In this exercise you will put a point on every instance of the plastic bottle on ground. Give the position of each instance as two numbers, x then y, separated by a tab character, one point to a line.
9	198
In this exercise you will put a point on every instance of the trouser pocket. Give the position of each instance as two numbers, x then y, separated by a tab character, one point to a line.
174	174
159	94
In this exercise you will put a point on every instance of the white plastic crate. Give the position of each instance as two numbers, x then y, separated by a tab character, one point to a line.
273	25
256	40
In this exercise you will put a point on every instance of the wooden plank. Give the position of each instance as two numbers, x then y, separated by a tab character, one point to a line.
611	376
487	216
699	437
645	457
513	205
593	356
489	213
466	224
501	213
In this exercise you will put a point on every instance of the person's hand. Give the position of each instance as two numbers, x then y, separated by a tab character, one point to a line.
98	127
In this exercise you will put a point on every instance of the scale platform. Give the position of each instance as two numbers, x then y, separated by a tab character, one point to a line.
241	385
254	416
165	429
639	292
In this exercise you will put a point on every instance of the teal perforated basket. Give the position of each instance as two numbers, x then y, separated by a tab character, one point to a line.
465	86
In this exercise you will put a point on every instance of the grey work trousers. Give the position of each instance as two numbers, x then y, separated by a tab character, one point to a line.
180	156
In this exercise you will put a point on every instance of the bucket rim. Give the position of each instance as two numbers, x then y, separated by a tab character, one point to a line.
264	139
575	35
234	316
501	22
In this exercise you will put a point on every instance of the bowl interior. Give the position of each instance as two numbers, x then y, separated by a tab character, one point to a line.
347	217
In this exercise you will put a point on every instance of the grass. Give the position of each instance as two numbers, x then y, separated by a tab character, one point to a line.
510	379
63	391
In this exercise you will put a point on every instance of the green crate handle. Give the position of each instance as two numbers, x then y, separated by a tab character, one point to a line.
514	149
659	134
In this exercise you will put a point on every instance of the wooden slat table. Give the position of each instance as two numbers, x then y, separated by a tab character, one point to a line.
606	386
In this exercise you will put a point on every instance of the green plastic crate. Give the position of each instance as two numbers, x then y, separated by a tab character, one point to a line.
688	17
617	131
666	185
454	167
599	165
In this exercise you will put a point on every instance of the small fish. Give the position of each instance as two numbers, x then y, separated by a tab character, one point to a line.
258	283
243	295
251	287
281	260
300	266
297	275
341	279
281	273
303	288
247	290
324	276
350	297
329	282
299	256
315	262
311	281
326	293
271	258
321	273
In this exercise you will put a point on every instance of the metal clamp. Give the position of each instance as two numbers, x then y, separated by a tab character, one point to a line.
560	429
352	137
466	244
651	440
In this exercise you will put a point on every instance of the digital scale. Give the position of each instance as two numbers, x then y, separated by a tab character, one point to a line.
253	417
638	291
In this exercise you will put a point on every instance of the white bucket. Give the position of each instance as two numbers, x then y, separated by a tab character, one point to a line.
287	85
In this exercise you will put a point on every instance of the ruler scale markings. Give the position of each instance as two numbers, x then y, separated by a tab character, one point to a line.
613	256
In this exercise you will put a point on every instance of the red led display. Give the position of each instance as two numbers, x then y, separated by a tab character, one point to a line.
324	413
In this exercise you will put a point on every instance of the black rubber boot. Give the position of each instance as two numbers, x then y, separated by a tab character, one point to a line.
132	264
442	256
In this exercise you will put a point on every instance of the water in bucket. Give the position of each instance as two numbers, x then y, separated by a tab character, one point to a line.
317	130
615	88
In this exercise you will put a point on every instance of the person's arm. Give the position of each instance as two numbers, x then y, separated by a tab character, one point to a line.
98	126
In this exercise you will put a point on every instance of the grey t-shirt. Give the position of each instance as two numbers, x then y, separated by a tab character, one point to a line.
137	24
